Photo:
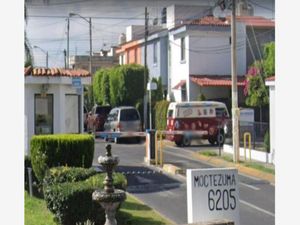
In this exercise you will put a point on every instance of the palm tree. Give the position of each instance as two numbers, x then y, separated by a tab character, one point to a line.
27	46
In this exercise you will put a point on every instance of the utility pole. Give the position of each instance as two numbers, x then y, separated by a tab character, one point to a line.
234	89
68	42
65	57
90	66
47	57
145	70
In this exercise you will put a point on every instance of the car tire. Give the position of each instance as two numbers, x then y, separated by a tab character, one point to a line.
186	141
220	138
211	140
178	143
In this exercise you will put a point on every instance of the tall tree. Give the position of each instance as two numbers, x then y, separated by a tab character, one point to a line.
255	88
27	46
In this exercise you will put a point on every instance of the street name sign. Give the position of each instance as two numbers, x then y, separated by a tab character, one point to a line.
212	194
76	82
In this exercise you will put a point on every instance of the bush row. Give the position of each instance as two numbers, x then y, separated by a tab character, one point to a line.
120	85
71	201
60	149
161	109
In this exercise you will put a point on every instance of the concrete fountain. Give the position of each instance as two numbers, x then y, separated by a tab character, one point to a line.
109	198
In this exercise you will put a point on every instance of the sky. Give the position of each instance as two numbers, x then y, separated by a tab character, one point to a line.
46	25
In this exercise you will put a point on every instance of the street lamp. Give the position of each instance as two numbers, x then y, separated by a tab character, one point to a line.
46	52
90	27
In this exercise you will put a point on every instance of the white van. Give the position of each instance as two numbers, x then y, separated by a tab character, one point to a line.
208	116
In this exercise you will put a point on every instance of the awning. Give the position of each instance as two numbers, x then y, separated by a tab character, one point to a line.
180	84
216	80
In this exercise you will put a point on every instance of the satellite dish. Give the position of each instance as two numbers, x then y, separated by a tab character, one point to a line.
218	12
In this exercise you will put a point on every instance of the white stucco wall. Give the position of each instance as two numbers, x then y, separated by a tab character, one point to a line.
210	52
32	87
178	70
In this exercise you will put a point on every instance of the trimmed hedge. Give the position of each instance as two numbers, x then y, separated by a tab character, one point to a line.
35	185
161	109
49	151
126	84
64	174
71	202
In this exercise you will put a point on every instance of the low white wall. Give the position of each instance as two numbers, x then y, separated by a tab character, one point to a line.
255	155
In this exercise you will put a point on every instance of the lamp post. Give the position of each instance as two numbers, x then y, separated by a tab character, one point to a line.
46	52
90	28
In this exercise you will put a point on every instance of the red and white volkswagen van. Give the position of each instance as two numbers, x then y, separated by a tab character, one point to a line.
198	119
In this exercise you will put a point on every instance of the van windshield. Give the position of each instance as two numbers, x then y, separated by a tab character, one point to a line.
129	115
170	113
221	112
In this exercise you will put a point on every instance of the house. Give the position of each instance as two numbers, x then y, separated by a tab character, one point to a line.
53	101
270	82
200	56
132	51
102	59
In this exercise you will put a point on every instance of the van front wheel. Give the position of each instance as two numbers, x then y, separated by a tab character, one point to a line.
221	138
178	143
186	141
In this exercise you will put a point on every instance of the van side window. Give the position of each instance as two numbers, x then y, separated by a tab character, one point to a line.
204	112
170	113
211	111
221	112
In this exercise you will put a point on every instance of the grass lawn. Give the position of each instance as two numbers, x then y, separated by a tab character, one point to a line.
36	212
255	165
133	212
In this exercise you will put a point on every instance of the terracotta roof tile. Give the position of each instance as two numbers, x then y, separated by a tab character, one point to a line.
255	21
210	21
55	72
215	80
180	84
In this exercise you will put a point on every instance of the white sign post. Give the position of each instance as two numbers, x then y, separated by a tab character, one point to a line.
212	194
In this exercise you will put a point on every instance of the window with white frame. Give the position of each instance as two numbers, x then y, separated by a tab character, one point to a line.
43	114
182	49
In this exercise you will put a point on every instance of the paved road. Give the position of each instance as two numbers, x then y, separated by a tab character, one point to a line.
167	193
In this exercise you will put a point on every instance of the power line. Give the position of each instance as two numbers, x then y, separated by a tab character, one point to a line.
261	6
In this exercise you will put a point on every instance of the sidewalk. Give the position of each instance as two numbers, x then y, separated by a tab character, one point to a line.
218	162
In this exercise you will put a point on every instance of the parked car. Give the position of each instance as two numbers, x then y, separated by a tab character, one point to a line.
208	116
96	117
125	118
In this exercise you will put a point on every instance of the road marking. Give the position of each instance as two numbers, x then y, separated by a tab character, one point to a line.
257	208
253	178
250	186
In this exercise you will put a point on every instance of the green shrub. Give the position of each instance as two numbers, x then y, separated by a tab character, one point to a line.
49	151
67	174
161	109
35	186
126	84
267	141
71	202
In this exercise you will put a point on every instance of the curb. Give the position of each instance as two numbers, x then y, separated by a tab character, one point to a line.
170	168
242	169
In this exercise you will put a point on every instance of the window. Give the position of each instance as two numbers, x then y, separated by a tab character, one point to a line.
182	45
221	112
129	115
154	52
170	113
43	114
